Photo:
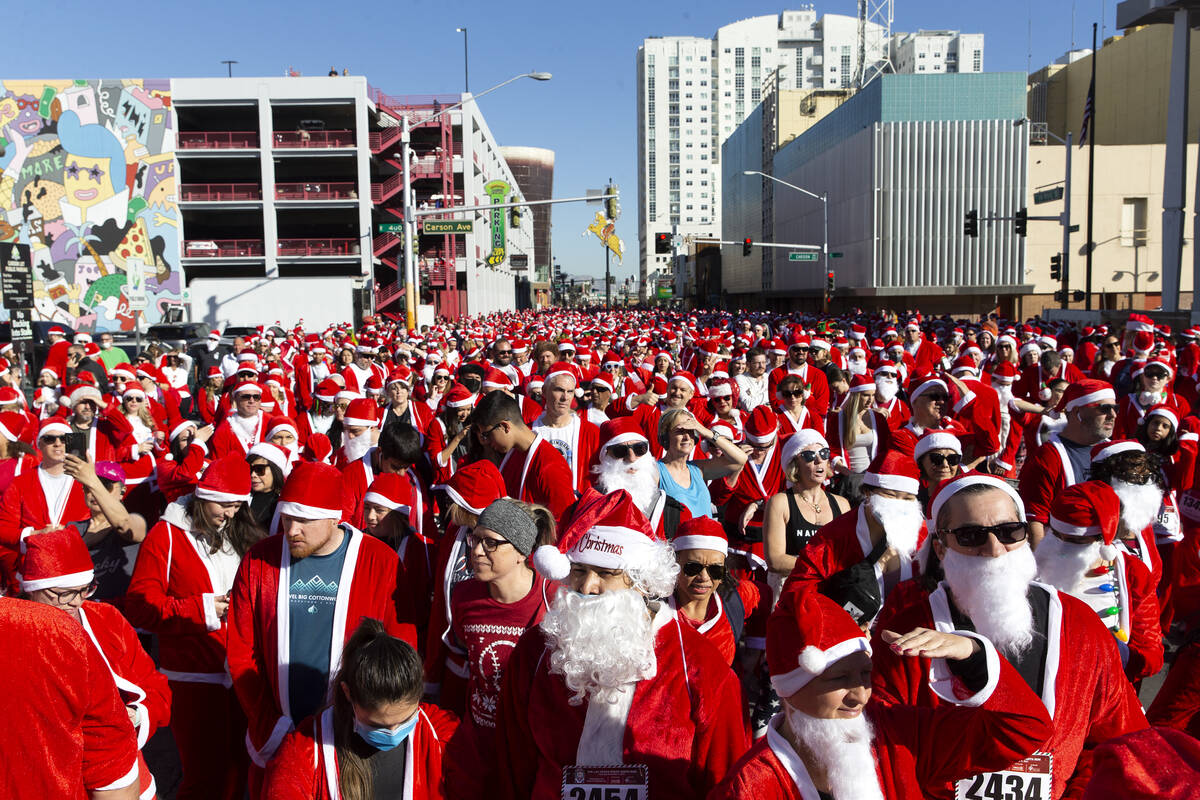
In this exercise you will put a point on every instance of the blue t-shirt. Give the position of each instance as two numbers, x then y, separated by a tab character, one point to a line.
694	497
312	598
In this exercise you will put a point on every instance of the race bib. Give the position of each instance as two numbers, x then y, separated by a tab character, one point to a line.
1028	779
624	782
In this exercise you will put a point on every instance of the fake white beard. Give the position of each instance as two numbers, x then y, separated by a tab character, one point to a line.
320	371
245	427
322	424
857	367
901	520
1139	503
599	643
1147	399
355	447
1063	564
843	748
885	390
640	479
141	433
991	592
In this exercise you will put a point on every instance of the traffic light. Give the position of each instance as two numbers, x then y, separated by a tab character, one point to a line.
1021	221
829	283
1076	296
514	216
1056	267
662	243
971	225
612	204
747	246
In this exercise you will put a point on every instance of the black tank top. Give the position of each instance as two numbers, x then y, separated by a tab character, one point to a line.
799	530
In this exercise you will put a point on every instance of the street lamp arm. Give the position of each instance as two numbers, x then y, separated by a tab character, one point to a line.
537	76
820	197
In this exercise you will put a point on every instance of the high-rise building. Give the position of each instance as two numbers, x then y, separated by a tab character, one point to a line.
533	167
937	52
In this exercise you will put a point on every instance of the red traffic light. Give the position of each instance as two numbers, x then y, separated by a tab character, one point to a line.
747	246
662	243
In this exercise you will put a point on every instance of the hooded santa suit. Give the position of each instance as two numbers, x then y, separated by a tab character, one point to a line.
67	728
259	639
306	768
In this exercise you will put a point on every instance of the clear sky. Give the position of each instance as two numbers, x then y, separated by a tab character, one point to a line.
587	114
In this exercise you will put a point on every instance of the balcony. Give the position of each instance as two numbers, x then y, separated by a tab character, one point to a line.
223	248
217	140
316	191
219	192
315	140
318	247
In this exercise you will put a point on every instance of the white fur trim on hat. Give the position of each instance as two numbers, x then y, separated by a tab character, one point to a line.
723	390
359	422
897	483
58	581
971	479
1110	450
380	500
625	438
1166	414
133	391
1098	396
700	543
926	386
221	497
611	547
180	428
302	511
1068	529
937	441
812	663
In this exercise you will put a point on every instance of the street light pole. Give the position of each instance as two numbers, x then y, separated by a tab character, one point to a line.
466	72
409	223
823	197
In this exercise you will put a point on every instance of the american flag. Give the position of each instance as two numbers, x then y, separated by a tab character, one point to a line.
1089	109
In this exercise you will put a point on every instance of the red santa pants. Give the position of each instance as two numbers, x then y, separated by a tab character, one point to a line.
210	730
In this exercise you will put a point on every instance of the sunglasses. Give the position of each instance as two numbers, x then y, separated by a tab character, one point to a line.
716	572
1156	375
809	456
687	432
939	460
936	398
260	469
790	394
254	397
1108	408
53	438
620	451
977	535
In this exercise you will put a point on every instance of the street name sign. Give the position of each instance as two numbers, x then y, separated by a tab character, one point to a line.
802	256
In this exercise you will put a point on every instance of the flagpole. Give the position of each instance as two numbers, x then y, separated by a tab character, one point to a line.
1091	194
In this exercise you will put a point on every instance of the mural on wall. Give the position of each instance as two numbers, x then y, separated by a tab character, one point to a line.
89	183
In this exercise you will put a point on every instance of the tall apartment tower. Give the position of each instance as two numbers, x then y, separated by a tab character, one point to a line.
937	52
694	92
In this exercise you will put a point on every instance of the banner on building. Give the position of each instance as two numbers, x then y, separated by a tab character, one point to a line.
498	191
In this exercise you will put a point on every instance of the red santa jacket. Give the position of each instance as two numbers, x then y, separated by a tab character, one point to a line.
750	486
789	424
23	510
68	731
171	594
684	724
10	468
258	642
818	397
1131	412
1088	696
306	766
225	441
539	475
1046	472
179	478
913	747
436	440
584	448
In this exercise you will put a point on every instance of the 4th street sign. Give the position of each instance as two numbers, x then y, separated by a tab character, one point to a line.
802	256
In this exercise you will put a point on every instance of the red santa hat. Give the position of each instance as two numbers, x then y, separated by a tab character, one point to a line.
807	633
1143	343
133	390
80	392
609	532
318	448
928	385
1139	322
12	425
685	377
476	485
495	379
720	387
390	491
1112	447
600	381
1165	412
55	560
620	430
1088	509
180	427
459	396
952	486
762	426
862	383
247	387
281	424
272	453
53	426
400	374
1159	361
700	533
893	470
226	480
327	390
1086	392
937	440
562	368
312	491
1004	373
361	413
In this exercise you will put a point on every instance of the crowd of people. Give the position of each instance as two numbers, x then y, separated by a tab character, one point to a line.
625	555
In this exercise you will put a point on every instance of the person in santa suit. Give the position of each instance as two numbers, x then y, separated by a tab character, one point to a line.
503	598
534	471
979	576
496	381
39	500
243	429
1090	407
887	400
570	434
611	677
446	442
1033	385
1136	476
297	597
797	364
400	408
471	490
397	450
84	402
860	557
722	406
926	353
64	729
624	462
57	571
744	493
830	728
1152	388
376	739
361	428
180	591
363	367
792	409
16	454
1078	557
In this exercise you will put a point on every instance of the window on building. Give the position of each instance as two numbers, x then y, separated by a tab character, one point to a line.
1133	222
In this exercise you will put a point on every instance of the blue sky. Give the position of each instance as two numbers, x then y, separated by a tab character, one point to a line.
587	113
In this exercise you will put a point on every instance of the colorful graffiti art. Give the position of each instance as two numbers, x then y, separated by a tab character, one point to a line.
89	183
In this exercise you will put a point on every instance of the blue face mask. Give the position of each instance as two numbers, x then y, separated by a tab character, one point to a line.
385	738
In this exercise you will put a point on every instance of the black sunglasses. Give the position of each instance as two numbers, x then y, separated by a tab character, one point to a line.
809	456
791	393
939	460
715	571
620	451
936	398
53	438
260	469
977	535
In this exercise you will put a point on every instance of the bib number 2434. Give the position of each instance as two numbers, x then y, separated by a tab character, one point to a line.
1028	779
